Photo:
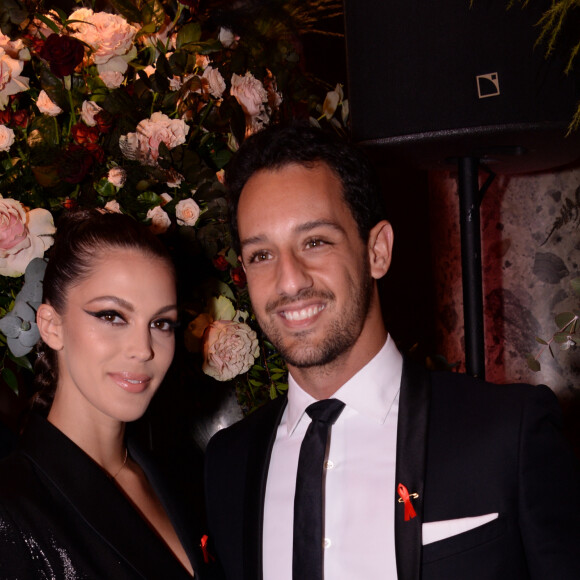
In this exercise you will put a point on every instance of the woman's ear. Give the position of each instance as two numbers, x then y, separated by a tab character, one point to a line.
50	326
380	248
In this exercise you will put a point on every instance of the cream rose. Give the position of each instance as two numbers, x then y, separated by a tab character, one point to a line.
24	235
187	212
229	349
160	221
250	93
46	106
6	138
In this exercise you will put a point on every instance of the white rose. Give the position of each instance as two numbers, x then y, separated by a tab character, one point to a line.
227	37
46	106
187	212
89	111
160	221
6	138
117	176
250	93
216	82
166	198
229	349
24	235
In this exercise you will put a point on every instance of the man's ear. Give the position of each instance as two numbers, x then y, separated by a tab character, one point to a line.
50	326
380	248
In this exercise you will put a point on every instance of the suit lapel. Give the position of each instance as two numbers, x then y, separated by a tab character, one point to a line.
98	501
260	451
410	471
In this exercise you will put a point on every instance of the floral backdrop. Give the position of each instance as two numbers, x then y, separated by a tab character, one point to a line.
137	106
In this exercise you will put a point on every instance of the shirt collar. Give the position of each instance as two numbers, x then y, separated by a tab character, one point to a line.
370	392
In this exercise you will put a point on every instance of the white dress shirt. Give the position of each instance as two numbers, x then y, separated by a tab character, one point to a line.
359	531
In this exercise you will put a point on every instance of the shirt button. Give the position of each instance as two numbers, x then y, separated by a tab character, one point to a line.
329	464
326	543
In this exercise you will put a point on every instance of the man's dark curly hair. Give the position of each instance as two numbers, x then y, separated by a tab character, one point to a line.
278	146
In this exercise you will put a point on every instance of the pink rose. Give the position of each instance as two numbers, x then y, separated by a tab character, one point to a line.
187	212
143	145
6	138
229	349
24	235
160	221
11	82
46	106
216	83
117	176
89	110
250	93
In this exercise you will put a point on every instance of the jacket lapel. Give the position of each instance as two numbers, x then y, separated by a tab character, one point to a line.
97	500
260	451
410	471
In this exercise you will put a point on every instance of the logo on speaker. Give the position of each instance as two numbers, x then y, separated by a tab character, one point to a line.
487	85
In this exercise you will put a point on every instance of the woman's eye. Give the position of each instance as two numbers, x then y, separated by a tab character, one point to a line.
165	325
108	316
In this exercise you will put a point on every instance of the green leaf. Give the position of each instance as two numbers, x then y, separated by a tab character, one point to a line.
21	361
189	33
10	379
575	283
149	199
273	392
52	25
560	337
127	9
540	340
533	363
564	319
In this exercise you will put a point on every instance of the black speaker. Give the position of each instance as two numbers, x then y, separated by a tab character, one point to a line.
430	82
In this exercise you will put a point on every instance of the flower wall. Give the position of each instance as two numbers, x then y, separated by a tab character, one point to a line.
137	107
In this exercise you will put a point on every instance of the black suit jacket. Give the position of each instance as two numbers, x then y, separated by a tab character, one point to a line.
62	517
467	448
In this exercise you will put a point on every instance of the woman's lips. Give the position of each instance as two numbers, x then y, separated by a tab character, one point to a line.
133	383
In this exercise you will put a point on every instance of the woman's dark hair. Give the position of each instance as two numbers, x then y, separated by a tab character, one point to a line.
277	146
82	238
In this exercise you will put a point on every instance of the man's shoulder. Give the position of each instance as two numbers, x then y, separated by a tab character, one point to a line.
266	418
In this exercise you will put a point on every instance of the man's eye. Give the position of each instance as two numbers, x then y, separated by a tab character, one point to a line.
315	243
260	256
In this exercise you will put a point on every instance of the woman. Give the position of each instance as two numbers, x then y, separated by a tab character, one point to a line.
77	500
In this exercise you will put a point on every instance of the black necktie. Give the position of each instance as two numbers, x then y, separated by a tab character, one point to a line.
308	502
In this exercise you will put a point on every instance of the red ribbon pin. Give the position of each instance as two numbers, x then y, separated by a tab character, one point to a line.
206	555
405	497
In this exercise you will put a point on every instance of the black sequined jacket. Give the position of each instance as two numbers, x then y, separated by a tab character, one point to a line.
62	517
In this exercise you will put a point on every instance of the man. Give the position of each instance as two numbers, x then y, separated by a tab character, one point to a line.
432	476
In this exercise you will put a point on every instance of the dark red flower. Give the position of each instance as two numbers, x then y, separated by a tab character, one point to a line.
83	134
104	121
20	118
69	203
5	117
76	163
238	276
220	263
63	53
96	151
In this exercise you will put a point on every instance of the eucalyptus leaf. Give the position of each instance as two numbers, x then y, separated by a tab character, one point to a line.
564	319
533	363
540	340
575	283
